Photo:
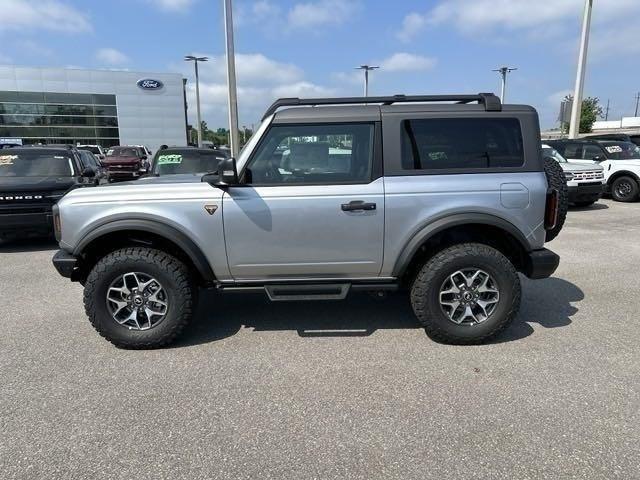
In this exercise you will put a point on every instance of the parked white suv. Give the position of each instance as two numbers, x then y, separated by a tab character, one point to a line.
620	160
584	181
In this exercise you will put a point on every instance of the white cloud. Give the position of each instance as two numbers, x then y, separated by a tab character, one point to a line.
172	5
5	58
412	24
322	12
555	98
470	16
42	14
111	56
260	81
406	62
34	49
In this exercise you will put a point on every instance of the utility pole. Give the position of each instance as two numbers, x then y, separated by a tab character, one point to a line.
576	108
606	112
231	80
367	69
637	103
195	60
503	71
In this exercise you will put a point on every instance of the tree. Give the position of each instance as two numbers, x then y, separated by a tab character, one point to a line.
591	111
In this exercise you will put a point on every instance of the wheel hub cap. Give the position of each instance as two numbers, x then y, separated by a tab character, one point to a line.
469	296
137	301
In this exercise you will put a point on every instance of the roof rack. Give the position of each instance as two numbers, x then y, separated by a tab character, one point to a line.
489	100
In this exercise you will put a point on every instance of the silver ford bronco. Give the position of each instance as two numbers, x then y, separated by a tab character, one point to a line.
445	197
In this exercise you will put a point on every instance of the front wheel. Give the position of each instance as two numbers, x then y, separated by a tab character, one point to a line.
139	297
624	189
466	294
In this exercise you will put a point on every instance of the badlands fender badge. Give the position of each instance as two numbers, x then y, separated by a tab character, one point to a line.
211	209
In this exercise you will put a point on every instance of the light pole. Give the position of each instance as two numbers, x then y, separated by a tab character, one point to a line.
195	60
231	79
367	69
576	108
503	71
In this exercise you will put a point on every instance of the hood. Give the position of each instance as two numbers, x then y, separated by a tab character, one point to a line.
173	178
35	184
119	160
581	167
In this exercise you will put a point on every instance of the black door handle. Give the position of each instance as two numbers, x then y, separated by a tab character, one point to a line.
357	205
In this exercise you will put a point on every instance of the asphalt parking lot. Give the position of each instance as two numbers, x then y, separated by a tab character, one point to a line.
332	390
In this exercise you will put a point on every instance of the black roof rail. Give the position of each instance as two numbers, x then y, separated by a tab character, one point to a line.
489	100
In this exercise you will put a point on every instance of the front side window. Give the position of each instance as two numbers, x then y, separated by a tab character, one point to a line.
590	152
461	143
313	154
15	163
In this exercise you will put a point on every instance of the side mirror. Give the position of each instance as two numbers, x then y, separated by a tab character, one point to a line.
598	158
227	174
88	172
143	157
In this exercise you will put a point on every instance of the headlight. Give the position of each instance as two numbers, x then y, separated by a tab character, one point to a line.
568	175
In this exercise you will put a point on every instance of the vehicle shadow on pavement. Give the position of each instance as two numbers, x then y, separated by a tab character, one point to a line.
360	315
28	245
590	208
547	302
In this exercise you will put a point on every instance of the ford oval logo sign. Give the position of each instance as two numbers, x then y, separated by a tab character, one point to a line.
149	84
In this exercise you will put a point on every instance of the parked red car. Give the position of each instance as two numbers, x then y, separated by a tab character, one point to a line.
126	163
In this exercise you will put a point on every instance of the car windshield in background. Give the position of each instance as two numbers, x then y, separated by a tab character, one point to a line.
35	164
553	153
122	152
174	162
94	150
621	150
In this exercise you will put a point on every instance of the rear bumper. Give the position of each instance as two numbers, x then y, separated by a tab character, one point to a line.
586	193
541	264
65	263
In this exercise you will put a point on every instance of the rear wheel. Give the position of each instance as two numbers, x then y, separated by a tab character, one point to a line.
624	189
466	294
139	297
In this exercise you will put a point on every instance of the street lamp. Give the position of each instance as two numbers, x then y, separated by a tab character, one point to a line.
576	108
503	71
231	79
195	60
367	69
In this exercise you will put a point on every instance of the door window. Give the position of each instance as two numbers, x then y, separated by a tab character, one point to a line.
313	155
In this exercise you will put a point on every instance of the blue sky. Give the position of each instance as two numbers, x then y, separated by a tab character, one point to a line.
309	47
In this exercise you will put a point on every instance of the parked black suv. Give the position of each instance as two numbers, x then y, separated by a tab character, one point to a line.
32	180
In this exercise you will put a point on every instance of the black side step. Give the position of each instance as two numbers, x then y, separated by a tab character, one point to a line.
323	291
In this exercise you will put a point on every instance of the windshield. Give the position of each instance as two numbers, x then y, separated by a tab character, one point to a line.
622	150
122	152
95	150
173	162
35	164
553	153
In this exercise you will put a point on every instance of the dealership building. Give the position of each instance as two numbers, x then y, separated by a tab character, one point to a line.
104	107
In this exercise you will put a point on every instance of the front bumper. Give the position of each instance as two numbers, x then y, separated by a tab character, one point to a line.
26	223
588	192
65	263
541	264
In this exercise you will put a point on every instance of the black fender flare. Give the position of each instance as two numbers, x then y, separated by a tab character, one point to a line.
454	220
172	234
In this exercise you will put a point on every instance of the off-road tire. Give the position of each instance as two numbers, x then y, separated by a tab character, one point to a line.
557	181
426	288
169	271
632	196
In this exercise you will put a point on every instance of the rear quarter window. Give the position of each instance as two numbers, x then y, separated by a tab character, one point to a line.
461	143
